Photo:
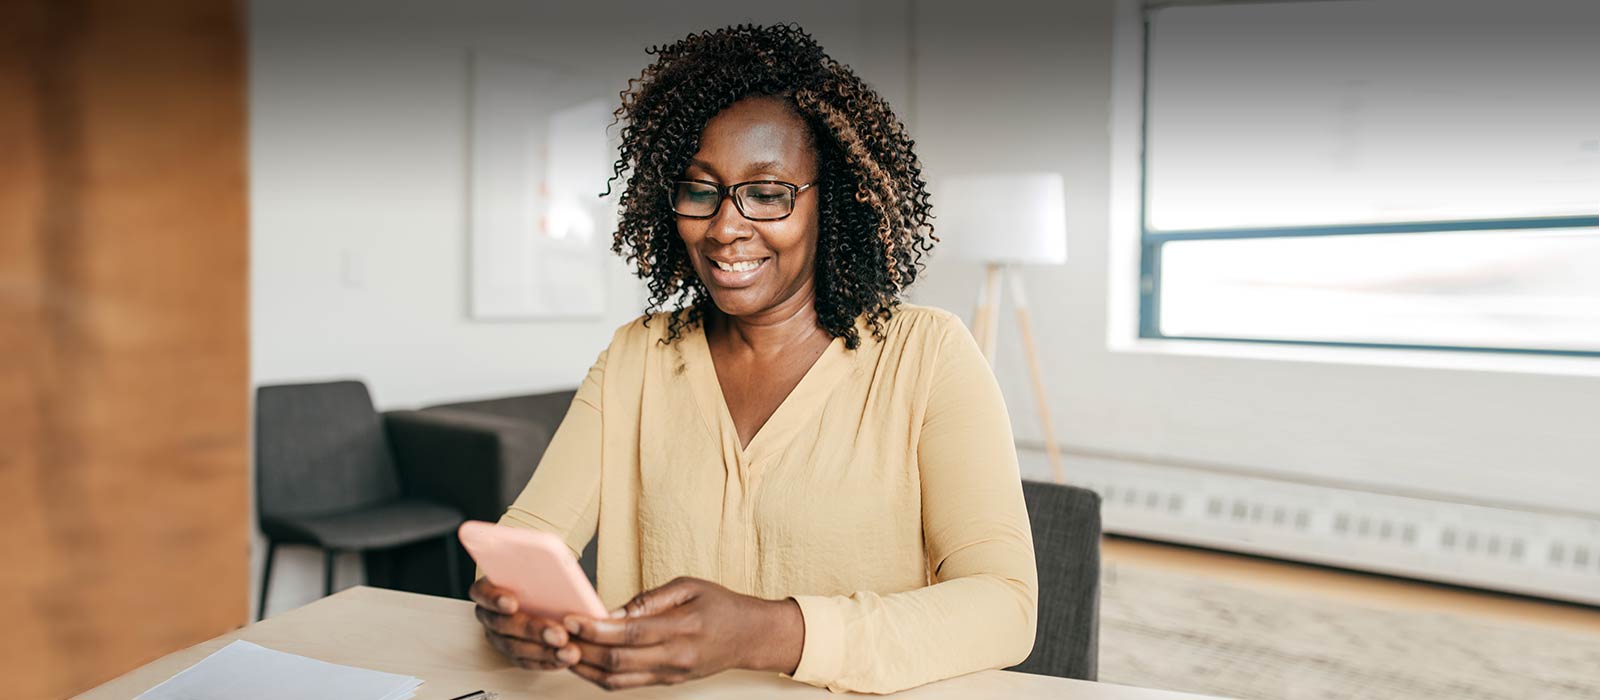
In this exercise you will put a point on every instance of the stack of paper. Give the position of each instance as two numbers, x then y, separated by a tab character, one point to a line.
245	671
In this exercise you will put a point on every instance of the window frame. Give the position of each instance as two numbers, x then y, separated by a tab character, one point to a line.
1151	242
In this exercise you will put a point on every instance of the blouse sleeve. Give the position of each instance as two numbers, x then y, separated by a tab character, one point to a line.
980	609
563	496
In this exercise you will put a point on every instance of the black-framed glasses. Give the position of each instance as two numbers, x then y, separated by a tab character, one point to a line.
757	200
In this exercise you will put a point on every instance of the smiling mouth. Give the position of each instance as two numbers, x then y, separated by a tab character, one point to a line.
744	266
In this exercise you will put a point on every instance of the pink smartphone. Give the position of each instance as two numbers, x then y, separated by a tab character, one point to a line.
536	566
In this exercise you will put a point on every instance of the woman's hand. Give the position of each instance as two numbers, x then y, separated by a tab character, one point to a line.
687	629
529	642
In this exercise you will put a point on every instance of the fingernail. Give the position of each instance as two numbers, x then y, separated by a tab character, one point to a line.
506	603
572	625
568	654
551	638
619	612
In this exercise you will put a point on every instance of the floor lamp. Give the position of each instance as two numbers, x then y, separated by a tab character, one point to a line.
1005	221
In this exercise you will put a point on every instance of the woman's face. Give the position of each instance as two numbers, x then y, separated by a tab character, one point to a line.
757	138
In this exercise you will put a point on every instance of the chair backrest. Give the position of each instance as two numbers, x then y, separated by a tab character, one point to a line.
1066	545
546	409
320	449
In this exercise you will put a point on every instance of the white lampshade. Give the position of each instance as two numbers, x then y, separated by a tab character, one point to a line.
1018	218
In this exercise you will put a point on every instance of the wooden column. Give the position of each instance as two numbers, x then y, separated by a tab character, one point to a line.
123	335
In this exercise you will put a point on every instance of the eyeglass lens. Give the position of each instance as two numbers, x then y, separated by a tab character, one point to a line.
756	200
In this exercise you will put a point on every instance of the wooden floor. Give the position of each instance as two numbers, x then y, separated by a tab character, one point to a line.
1346	586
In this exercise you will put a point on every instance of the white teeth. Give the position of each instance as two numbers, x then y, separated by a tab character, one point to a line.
739	266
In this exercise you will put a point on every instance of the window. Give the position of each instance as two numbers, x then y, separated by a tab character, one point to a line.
1396	174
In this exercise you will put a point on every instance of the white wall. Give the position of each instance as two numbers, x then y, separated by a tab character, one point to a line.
358	148
995	92
358	129
358	196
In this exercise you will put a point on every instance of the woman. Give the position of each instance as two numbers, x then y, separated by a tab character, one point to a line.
792	471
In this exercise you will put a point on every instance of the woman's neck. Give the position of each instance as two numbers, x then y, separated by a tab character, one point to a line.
774	331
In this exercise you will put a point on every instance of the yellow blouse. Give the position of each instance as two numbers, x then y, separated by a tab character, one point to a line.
883	496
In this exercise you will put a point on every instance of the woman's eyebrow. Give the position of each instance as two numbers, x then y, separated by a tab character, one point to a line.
767	166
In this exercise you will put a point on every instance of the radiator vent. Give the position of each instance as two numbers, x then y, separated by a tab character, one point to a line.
1548	555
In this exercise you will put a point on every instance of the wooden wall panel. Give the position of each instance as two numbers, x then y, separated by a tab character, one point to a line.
124	379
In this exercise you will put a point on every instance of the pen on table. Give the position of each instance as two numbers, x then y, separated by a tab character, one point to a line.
476	695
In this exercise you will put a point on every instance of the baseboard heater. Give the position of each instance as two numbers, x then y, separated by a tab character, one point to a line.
1549	555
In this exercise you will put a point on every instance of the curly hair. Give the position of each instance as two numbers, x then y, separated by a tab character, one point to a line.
874	225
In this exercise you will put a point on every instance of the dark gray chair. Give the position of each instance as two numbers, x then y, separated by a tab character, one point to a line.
1066	545
325	477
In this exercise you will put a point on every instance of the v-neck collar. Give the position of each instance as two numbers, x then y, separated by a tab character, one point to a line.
818	381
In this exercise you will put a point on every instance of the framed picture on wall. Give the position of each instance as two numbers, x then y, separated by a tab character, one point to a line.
539	159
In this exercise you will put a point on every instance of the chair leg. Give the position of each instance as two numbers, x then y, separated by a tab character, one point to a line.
452	570
266	579
380	568
327	572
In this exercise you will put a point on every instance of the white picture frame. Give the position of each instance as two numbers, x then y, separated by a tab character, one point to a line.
539	157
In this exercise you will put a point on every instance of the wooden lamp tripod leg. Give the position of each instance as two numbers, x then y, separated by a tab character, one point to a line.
1045	425
985	320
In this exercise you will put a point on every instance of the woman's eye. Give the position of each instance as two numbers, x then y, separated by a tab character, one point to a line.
765	196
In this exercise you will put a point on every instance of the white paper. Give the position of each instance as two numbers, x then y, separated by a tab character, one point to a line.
245	671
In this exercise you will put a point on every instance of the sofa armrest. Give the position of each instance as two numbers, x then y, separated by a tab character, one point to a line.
476	462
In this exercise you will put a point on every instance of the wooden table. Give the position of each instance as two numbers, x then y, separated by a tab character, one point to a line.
439	641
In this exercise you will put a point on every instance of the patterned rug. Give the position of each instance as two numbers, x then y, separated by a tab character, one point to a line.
1163	630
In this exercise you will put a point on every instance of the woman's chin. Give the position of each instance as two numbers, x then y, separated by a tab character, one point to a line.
738	302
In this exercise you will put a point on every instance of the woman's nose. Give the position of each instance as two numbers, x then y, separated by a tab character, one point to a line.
728	225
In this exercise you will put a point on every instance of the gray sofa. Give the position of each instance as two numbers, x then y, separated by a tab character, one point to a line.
475	456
